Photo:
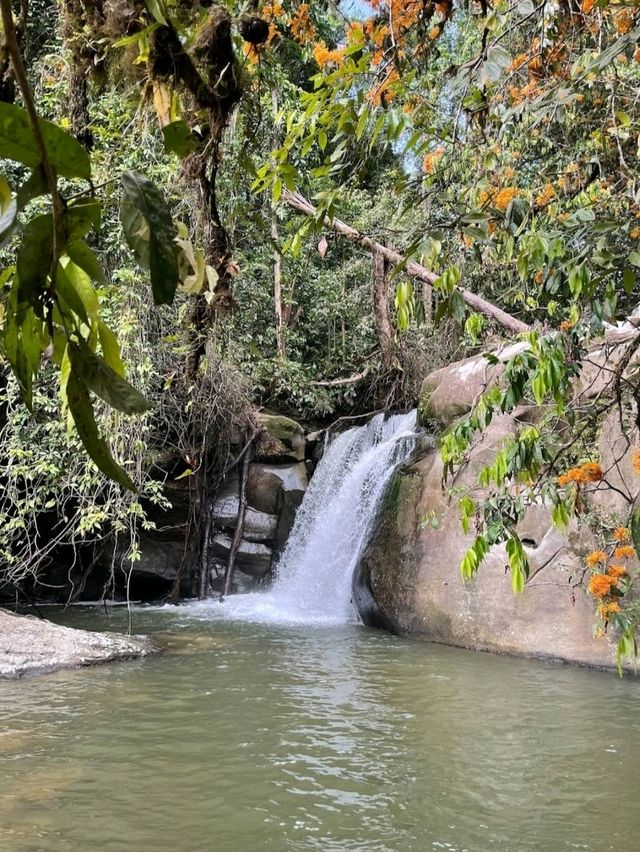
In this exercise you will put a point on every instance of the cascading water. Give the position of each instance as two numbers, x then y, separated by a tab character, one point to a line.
314	574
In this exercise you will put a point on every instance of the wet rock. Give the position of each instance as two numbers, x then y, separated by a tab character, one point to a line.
267	485
258	526
252	558
34	646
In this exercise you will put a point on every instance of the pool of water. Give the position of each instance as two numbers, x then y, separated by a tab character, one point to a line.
246	736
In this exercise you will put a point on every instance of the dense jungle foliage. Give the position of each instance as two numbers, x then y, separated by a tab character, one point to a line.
324	201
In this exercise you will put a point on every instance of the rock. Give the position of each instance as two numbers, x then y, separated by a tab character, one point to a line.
267	485
34	646
408	579
258	526
252	558
451	391
281	439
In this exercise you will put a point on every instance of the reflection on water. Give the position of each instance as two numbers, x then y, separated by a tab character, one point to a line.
246	736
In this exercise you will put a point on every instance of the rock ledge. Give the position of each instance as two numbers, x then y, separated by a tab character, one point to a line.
30	646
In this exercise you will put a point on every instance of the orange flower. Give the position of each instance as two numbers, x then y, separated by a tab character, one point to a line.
535	65
617	571
625	551
432	159
504	198
433	33
546	196
604	610
596	557
635	233
592	471
587	6
623	21
323	56
635	460
566	325
600	585
621	534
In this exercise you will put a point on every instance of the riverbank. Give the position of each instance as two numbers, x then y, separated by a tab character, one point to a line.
30	646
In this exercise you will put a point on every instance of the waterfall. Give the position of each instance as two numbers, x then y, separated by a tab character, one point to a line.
315	571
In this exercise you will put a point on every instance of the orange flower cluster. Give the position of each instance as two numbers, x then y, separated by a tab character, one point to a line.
499	198
617	571
383	92
635	460
302	26
625	551
323	56
621	534
432	159
583	475
596	557
605	609
600	585
546	196
566	325
623	21
587	6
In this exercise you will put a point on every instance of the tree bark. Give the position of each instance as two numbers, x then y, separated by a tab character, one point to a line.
415	270
277	256
239	530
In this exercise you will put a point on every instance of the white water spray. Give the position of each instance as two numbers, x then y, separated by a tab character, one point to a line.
314	574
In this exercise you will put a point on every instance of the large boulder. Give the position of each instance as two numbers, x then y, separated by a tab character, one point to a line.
451	391
408	579
35	646
280	439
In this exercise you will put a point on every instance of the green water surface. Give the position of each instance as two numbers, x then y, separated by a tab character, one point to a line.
255	737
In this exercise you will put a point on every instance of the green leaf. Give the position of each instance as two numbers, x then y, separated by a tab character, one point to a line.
8	210
33	187
150	233
156	9
17	142
94	373
178	138
79	403
85	258
110	348
34	257
628	280
634	258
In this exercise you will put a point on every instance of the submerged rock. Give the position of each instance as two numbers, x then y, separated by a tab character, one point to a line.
30	646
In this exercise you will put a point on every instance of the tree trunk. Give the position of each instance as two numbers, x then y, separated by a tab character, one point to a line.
277	256
381	312
239	530
416	270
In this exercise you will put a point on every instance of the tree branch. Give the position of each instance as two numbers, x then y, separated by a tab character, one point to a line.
415	270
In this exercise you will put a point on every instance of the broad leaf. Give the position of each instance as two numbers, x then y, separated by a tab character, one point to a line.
150	233
93	371
17	142
178	139
81	410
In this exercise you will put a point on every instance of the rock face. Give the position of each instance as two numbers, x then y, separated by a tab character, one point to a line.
409	581
278	479
451	391
33	646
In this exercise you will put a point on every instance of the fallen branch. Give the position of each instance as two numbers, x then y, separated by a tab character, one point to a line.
349	380
415	270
